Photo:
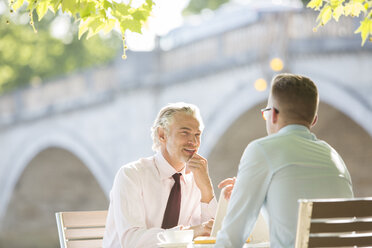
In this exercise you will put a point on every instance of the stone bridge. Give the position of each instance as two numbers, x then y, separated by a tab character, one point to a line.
61	143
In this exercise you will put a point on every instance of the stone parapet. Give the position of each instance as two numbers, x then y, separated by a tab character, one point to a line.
249	41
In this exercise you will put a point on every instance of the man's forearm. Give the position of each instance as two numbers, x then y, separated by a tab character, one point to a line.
207	193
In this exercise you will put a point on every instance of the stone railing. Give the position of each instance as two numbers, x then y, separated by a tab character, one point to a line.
60	95
247	42
270	32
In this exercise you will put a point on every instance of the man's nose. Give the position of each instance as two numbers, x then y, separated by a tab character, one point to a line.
193	140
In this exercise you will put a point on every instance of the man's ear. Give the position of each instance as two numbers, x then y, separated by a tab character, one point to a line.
161	134
274	117
314	121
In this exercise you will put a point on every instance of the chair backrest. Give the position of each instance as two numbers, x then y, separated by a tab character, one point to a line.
334	223
81	228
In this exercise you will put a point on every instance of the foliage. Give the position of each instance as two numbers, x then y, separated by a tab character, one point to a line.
93	15
335	8
29	58
196	6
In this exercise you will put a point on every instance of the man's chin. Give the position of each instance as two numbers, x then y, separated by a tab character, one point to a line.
186	158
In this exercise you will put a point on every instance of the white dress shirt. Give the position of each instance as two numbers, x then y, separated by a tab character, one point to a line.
276	171
138	200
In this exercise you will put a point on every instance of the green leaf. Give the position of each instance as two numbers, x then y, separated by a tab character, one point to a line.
41	9
121	8
325	14
110	24
129	23
17	4
55	5
95	26
337	12
86	8
365	29
107	4
84	26
148	5
335	3
135	26
354	8
69	6
93	14
315	4
140	15
31	5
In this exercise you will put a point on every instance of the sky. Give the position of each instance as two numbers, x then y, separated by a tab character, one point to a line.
167	15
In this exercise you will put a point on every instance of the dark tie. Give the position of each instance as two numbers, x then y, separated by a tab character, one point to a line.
172	211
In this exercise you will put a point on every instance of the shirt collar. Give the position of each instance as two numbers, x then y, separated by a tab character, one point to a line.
298	129
294	127
166	170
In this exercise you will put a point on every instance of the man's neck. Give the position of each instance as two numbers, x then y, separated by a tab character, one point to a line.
177	165
286	123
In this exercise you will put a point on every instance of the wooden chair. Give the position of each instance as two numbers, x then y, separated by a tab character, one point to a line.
334	223
81	228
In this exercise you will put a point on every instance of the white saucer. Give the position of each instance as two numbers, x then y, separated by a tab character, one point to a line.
174	245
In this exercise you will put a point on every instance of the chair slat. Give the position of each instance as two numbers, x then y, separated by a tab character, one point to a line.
334	223
340	227
341	209
84	219
81	229
84	233
339	241
94	243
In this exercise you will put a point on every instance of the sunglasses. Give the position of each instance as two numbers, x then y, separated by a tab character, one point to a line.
265	113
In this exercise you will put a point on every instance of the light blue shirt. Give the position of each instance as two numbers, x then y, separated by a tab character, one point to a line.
276	171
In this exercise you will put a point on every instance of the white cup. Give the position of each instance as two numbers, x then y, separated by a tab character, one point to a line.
176	236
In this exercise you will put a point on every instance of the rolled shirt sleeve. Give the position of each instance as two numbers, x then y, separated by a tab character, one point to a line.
208	210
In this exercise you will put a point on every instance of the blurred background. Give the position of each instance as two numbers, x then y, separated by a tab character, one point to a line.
73	112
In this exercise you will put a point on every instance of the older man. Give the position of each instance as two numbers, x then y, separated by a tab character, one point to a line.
277	170
171	189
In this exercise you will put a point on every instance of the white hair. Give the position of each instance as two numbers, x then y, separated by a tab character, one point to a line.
165	117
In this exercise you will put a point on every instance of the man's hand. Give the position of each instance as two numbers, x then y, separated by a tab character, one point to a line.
203	229
199	167
228	183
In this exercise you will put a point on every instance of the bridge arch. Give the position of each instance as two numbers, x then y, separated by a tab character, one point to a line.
233	106
37	142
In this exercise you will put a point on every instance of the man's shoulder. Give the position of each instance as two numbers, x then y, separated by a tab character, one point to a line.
278	139
253	147
133	173
260	145
138	166
262	141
